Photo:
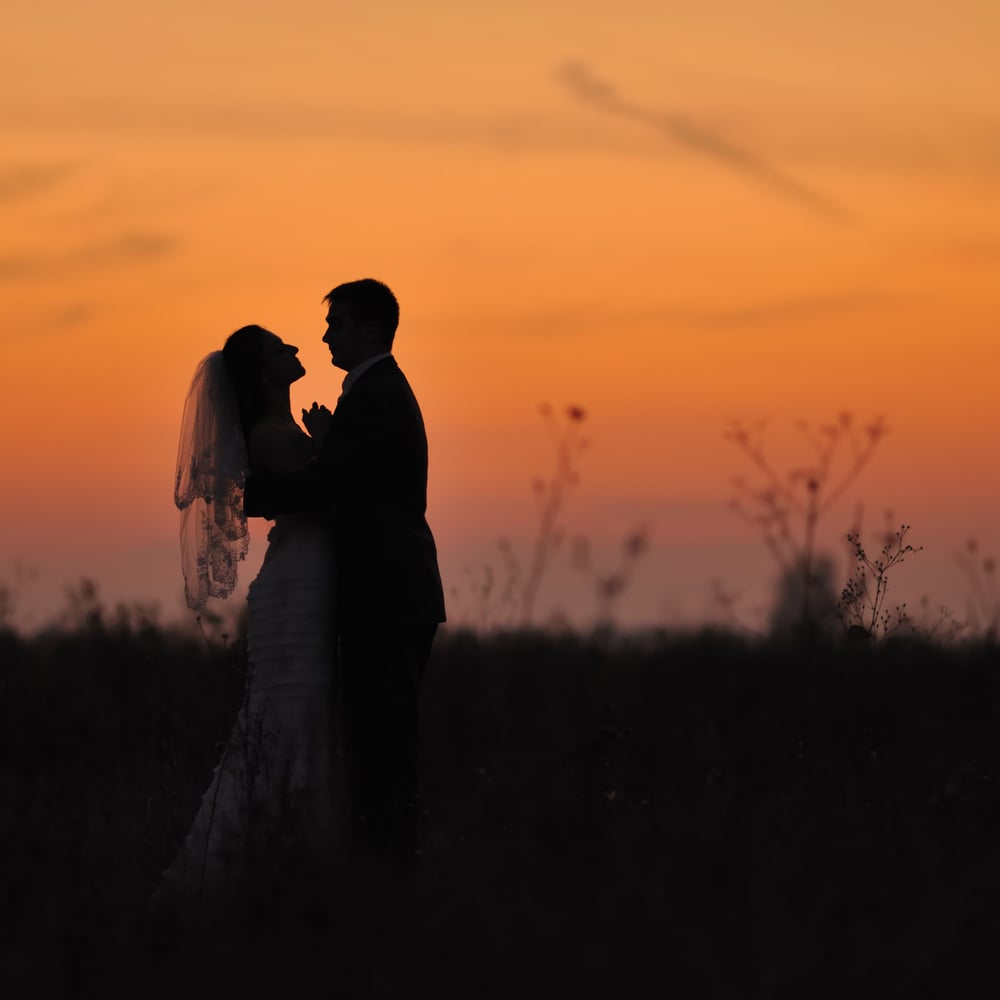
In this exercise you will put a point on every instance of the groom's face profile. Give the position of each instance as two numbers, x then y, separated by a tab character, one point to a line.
350	342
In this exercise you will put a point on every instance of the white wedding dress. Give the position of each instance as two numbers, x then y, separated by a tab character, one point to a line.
272	801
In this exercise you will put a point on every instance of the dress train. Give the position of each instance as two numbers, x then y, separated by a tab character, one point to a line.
272	804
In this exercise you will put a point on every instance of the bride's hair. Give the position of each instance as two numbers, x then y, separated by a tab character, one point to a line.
242	356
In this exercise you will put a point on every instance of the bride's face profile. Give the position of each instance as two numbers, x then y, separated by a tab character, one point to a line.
279	360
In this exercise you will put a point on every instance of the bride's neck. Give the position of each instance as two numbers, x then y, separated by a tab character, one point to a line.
277	404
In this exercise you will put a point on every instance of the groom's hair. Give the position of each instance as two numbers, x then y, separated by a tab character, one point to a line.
369	300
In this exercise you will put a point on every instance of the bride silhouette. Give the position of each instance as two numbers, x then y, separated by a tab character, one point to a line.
271	798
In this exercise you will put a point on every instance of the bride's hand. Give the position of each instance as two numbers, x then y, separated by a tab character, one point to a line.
317	421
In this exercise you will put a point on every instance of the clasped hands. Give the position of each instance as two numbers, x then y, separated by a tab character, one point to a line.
317	420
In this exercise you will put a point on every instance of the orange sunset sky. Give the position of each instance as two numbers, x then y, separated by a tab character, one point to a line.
670	213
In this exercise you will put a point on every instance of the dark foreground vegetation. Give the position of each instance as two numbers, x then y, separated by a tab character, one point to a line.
685	815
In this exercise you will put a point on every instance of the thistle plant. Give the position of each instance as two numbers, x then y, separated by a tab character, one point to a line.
862	607
786	507
551	493
507	595
610	585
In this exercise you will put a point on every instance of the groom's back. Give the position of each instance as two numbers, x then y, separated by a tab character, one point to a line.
378	450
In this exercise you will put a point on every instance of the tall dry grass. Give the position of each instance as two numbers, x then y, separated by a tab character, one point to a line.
699	813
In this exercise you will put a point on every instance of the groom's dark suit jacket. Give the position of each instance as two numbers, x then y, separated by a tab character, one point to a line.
372	475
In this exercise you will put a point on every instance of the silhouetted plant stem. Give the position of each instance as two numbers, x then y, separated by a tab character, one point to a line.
552	495
803	495
863	608
984	591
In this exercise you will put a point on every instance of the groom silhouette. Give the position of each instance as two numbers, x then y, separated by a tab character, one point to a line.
371	475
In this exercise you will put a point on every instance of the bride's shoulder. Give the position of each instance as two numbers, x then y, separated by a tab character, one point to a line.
278	446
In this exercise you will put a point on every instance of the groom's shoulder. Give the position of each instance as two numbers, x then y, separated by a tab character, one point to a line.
384	378
387	370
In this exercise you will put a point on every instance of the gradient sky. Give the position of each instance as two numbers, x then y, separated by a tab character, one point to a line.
673	214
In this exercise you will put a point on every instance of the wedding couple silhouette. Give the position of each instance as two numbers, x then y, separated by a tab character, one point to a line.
342	614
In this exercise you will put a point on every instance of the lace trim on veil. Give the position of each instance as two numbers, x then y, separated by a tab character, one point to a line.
208	489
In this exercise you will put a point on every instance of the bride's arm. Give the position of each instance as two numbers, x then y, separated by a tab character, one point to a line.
284	479
276	450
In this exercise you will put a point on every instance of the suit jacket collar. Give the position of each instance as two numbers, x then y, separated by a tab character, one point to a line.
355	373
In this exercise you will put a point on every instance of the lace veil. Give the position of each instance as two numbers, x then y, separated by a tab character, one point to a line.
211	473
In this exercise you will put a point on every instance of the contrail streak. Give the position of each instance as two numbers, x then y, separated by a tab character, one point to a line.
603	95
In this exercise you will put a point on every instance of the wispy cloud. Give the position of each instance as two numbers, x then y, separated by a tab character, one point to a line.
129	248
788	122
514	130
583	319
983	251
22	180
36	321
604	96
784	310
73	314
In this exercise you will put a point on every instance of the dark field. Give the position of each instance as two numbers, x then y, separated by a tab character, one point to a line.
678	815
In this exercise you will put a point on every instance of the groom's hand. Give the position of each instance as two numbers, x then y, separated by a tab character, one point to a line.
317	421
